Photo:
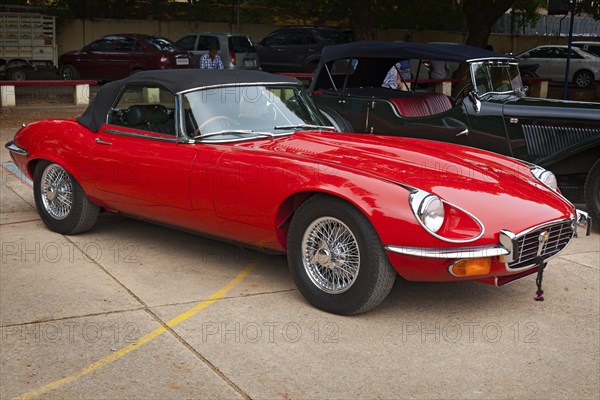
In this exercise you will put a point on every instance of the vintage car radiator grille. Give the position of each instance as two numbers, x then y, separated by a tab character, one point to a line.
547	140
558	236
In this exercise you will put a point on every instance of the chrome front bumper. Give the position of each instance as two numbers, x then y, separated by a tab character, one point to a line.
509	248
13	148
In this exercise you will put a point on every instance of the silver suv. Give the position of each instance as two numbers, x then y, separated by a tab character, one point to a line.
235	50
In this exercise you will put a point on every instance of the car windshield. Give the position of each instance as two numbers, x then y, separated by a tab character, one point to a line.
162	44
496	77
249	111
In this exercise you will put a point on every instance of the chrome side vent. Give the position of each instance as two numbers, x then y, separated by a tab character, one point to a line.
544	140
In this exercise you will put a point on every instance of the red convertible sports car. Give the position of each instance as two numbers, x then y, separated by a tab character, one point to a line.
245	156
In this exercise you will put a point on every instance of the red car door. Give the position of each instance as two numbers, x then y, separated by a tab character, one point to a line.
143	173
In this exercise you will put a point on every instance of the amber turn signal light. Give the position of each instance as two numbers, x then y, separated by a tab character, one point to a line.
474	266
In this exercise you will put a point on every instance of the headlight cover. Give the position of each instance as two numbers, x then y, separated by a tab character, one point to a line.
429	210
545	176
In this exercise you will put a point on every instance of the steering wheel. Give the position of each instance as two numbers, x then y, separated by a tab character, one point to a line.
218	122
463	93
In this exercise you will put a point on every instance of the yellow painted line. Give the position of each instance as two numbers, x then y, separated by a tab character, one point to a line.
144	339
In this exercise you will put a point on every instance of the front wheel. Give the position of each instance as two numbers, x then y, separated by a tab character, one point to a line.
60	200
16	74
336	258
592	193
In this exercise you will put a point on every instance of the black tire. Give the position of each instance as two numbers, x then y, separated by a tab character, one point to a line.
60	200
583	79
592	193
16	74
367	277
68	72
335	119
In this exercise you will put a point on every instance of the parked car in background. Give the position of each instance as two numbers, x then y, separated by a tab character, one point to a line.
118	56
245	156
590	47
584	68
236	51
298	48
491	111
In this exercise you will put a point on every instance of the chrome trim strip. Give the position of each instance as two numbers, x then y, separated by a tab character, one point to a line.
236	140
13	148
139	135
558	221
457	252
243	84
509	241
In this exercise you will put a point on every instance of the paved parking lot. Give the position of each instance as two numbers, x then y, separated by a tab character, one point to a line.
133	310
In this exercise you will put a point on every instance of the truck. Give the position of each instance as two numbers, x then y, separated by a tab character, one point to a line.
27	45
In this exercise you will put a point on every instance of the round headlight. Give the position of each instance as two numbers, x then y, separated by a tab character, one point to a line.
546	177
431	213
549	179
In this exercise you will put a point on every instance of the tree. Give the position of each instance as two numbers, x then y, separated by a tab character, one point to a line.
481	16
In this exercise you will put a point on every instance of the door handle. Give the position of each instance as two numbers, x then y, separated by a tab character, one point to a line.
463	133
100	141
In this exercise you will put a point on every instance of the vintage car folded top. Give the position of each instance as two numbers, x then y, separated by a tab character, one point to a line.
491	112
245	156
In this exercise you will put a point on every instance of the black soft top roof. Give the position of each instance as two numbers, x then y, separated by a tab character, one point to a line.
408	50
385	54
176	81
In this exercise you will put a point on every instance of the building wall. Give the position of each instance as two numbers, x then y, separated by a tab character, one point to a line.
78	33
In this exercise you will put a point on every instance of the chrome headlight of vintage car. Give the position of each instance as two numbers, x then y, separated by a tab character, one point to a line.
444	220
428	208
545	176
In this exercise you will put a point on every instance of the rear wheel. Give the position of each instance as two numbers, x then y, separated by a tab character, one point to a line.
336	257
60	200
592	193
583	79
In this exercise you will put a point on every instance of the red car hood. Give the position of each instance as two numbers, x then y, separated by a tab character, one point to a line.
477	181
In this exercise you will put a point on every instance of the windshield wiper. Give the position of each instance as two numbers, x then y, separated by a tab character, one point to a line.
306	126
234	132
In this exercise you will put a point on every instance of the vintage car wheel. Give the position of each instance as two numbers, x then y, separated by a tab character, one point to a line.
583	79
592	192
68	72
60	200
336	257
335	119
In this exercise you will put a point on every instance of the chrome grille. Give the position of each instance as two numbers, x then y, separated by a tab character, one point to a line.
559	236
544	140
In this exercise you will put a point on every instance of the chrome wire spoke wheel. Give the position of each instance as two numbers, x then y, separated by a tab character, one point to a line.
57	192
331	255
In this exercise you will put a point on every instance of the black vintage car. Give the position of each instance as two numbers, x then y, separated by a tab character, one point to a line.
491	111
